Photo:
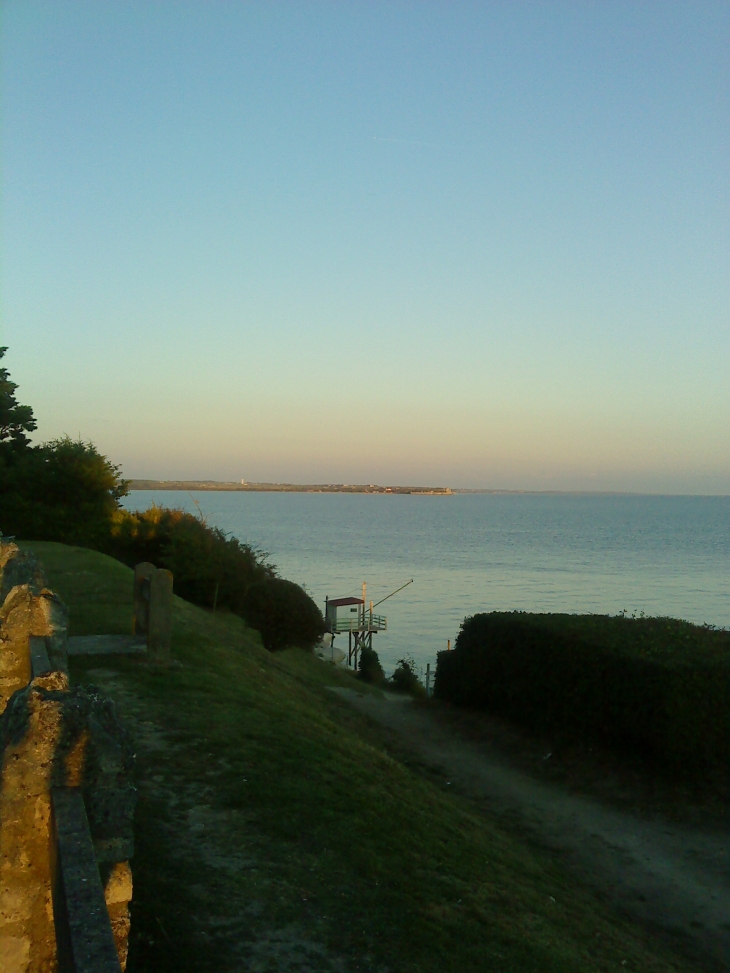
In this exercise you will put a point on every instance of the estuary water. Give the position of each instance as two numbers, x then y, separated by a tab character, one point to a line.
468	553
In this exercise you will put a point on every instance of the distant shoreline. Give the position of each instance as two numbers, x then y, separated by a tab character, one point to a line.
238	487
223	486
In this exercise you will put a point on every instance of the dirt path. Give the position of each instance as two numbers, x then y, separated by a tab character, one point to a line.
671	877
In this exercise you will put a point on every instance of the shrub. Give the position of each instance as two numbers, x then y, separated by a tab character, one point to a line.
369	668
405	679
283	613
656	686
209	567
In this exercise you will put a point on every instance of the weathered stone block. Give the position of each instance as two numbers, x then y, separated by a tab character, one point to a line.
25	613
52	618
85	938
141	597
160	618
117	881
16	622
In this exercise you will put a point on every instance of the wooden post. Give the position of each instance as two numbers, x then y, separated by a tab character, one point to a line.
160	614
364	592
428	679
141	618
448	645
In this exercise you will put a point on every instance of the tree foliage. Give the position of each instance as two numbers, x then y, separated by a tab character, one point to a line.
64	490
15	419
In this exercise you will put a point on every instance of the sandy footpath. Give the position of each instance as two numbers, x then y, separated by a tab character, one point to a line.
669	876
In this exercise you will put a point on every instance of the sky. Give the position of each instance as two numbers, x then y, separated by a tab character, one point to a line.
460	244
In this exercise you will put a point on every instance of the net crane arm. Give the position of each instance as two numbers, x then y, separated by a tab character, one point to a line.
393	593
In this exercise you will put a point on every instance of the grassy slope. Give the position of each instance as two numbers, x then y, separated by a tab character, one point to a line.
315	828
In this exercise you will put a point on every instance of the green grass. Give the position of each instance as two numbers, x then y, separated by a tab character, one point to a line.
275	832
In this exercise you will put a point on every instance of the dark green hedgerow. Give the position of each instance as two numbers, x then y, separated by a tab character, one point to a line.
658	687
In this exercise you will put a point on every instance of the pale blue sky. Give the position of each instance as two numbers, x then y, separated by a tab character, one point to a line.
474	244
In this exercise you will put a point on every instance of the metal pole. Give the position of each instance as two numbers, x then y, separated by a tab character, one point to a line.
393	593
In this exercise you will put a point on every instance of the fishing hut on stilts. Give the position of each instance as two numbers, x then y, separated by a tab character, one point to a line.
354	616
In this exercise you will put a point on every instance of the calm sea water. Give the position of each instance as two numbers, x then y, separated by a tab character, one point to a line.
478	552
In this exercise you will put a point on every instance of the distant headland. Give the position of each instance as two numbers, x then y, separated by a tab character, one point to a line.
284	487
427	491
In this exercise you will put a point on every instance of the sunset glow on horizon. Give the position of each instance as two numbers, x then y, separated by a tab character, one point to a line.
471	245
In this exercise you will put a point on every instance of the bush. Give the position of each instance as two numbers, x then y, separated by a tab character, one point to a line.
405	679
654	686
211	568
284	614
369	667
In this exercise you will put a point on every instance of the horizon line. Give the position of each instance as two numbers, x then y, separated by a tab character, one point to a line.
135	485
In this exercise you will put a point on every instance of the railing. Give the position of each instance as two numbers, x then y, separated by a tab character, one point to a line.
358	623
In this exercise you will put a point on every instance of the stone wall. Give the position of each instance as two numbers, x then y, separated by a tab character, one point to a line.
52	736
27	607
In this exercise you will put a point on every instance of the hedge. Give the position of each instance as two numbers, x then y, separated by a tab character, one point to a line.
658	687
